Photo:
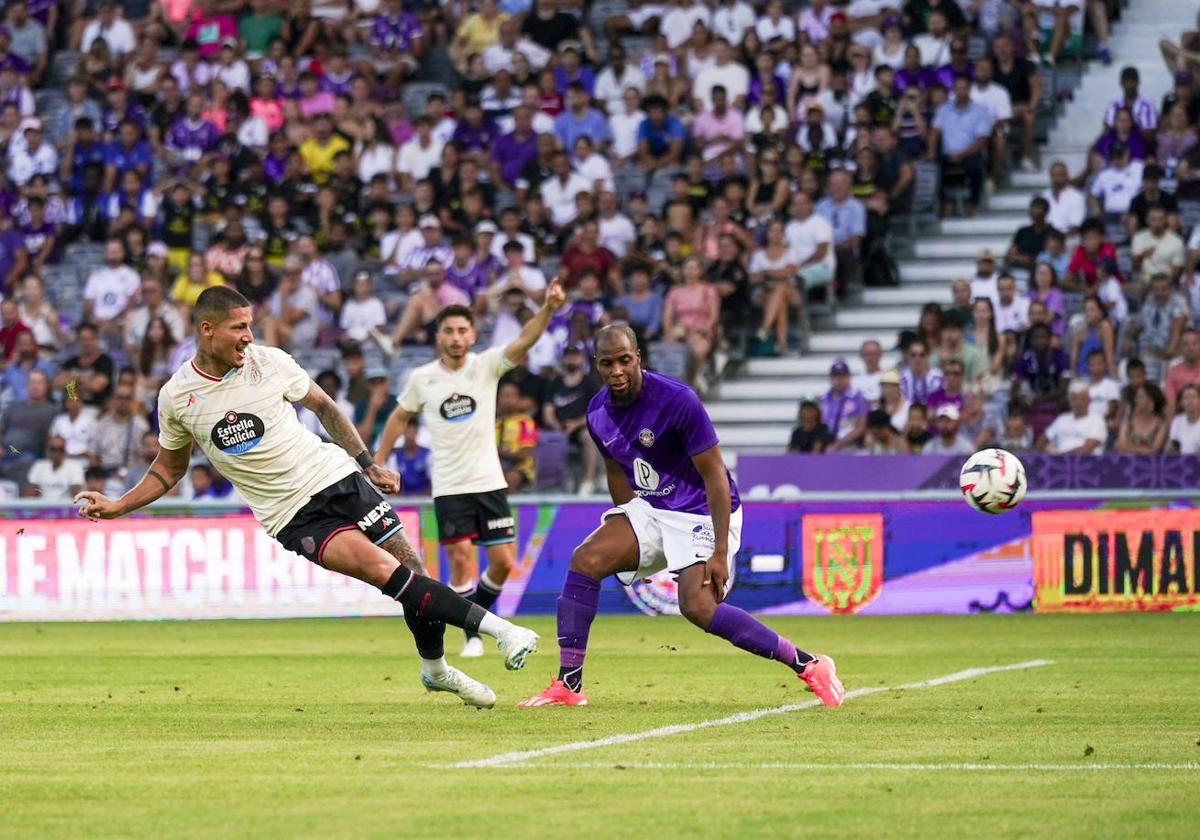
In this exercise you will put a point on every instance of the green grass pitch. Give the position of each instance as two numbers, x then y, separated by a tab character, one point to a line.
321	729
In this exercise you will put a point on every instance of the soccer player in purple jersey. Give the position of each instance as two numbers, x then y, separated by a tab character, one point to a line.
676	508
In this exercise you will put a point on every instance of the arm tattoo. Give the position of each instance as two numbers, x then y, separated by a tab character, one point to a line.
400	548
340	429
161	480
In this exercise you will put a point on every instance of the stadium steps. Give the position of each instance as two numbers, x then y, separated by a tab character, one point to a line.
754	412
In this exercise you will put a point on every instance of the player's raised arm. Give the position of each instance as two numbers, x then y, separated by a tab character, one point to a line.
170	465
711	467
343	433
536	326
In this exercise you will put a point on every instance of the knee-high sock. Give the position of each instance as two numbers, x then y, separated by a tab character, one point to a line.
425	599
428	635
577	607
743	630
486	592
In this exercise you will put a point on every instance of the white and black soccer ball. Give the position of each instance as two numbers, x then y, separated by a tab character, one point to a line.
993	481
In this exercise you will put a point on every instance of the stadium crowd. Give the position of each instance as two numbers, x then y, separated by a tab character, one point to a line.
704	171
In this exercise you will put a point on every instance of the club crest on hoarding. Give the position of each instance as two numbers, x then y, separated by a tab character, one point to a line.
842	560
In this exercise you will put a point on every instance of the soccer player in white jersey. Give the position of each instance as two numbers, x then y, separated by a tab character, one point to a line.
456	398
234	400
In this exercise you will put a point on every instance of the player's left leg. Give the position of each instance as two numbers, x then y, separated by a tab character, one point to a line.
699	605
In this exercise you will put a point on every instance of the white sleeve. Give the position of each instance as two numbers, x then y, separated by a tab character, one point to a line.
495	362
410	399
295	379
172	434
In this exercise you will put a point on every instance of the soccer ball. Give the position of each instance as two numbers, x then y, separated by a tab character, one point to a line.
993	481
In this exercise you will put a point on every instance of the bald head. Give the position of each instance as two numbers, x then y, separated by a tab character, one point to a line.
615	337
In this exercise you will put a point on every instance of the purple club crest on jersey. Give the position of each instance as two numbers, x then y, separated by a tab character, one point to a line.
646	438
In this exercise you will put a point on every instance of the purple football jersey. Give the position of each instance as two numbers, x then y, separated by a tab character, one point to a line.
654	439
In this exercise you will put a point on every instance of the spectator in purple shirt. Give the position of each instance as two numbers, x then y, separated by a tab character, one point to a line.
579	120
191	137
120	109
129	151
843	409
570	69
397	41
511	153
39	235
474	134
464	271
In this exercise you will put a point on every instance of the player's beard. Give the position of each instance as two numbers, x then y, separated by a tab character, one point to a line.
627	396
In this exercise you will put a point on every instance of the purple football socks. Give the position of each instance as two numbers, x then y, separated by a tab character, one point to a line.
577	607
743	630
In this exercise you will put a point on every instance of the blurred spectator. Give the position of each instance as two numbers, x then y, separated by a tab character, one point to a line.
90	373
38	315
916	429
810	435
1030	239
1076	431
516	434
565	410
1184	372
1144	431
773	270
1184	433
372	411
111	289
1158	327
24	426
146	455
952	390
55	477
1151	196
891	399
976	425
76	426
1156	249
412	462
691	313
1040	377
11	328
848	219
953	346
1117	183
1145	115
882	438
919	379
867	383
1016	436
983	284
204	484
1096	333
1012	310
1067	205
960	133
1104	392
116	440
26	359
843	410
947	441
983	336
154	307
1081	271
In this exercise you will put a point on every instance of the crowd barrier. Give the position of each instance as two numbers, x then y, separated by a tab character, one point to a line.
924	552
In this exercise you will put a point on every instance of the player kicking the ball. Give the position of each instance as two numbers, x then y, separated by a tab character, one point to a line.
456	398
234	399
676	509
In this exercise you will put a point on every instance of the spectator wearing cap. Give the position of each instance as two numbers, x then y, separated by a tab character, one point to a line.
959	134
983	284
36	156
843	410
1156	249
1158	327
1144	113
947	441
1076	431
415	265
891	400
1114	188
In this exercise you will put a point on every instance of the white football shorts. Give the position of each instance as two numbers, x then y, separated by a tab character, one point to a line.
672	540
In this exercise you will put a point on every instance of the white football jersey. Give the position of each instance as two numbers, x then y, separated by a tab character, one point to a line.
247	426
459	409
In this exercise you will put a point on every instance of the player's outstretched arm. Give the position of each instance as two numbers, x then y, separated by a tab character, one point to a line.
343	433
396	423
168	468
536	326
711	467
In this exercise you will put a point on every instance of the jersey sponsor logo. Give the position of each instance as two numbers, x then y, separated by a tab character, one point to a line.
500	523
646	438
457	408
644	475
374	515
237	434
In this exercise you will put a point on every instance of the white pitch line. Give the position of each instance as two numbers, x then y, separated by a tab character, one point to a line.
767	765
504	759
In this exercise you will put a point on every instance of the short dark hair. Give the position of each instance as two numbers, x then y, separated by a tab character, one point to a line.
455	310
214	304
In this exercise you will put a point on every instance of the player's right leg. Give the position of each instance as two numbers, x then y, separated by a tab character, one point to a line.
351	553
611	548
